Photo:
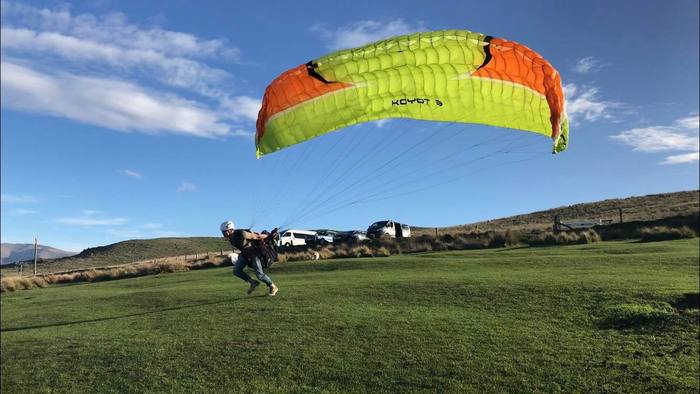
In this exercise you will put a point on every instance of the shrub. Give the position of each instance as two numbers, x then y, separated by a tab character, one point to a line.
511	238
565	238
663	233
8	284
39	281
496	240
24	283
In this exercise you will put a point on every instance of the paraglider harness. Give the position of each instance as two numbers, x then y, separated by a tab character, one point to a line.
265	249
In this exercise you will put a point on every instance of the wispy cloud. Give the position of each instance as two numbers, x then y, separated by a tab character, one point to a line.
23	211
140	233
186	187
364	32
382	122
90	221
151	226
18	199
583	102
131	174
167	234
241	107
682	135
104	102
91	212
683	158
105	71
587	65
244	133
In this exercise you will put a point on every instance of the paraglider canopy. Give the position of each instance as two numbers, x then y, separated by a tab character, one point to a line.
450	75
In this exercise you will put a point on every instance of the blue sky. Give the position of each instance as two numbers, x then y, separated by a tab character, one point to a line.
126	120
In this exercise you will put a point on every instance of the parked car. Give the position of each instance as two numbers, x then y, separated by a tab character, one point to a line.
350	236
322	237
293	237
388	229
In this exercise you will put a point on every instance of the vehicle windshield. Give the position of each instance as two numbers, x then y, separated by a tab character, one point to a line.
376	225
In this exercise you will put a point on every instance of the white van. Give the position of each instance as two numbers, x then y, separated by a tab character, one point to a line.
295	237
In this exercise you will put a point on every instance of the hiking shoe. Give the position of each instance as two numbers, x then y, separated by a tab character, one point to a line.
253	285
273	290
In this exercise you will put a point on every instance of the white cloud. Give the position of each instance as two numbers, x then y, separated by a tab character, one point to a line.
89	221
682	135
103	70
241	107
132	174
243	133
17	199
114	28
124	232
104	102
586	65
382	122
364	32
140	233
186	187
177	72
23	211
582	102
683	158
151	226
167	234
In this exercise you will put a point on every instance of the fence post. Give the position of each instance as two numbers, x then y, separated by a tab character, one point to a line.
36	252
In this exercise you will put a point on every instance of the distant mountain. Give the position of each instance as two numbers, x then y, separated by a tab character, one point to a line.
11	253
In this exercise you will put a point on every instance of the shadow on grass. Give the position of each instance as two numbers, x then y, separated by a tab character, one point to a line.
101	319
687	301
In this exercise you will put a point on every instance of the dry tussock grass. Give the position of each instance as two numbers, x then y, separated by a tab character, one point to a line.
565	238
168	265
663	233
11	283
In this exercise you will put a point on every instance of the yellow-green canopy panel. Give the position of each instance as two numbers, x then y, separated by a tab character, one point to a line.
451	75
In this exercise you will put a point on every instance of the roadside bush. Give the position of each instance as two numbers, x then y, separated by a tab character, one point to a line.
39	281
8	284
512	238
24	283
565	238
663	233
497	240
588	236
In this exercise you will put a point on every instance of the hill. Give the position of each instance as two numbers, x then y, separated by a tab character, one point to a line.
134	250
643	208
11	253
611	316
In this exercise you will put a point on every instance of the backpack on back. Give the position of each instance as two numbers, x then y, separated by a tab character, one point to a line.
250	249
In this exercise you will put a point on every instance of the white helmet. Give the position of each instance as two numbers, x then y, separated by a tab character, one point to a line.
228	225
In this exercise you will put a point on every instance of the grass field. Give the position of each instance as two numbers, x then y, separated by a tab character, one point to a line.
612	316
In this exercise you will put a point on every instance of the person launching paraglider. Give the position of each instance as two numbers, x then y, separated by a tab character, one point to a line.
257	251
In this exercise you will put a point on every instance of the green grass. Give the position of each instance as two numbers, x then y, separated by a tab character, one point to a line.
613	316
